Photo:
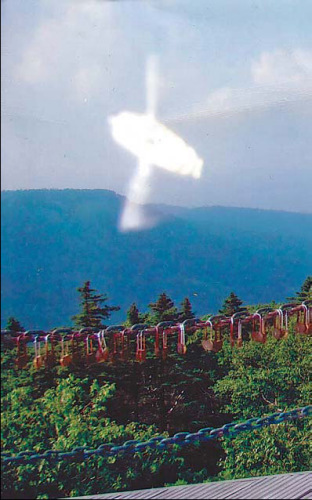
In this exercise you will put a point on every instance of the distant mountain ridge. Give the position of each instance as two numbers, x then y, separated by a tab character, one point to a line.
53	240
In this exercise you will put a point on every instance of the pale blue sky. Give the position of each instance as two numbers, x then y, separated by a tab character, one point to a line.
234	81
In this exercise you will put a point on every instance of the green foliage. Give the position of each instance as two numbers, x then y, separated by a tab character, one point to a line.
260	380
305	292
72	412
186	311
265	378
274	450
14	325
163	309
134	317
93	310
61	408
232	305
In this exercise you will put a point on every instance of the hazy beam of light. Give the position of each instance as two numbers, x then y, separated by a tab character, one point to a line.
151	85
133	216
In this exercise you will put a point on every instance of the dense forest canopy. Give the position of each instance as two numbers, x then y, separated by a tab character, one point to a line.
63	407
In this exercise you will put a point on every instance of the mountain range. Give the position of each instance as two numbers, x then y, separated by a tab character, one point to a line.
54	240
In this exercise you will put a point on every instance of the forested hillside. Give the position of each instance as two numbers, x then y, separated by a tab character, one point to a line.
52	241
101	387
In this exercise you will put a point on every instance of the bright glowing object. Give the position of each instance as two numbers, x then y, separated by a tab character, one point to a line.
154	144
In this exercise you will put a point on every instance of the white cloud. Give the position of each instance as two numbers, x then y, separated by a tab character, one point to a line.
278	78
281	66
69	49
41	55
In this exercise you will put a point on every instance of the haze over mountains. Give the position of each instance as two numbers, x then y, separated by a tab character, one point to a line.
54	240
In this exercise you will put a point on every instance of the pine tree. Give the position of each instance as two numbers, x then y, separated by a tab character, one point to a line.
133	315
232	305
186	310
163	309
14	325
305	291
93	310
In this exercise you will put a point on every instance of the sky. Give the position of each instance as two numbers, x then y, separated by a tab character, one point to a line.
233	80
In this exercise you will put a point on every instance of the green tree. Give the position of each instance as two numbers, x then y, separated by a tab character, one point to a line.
305	292
134	316
14	325
232	305
260	380
61	408
94	309
186	310
73	411
164	309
